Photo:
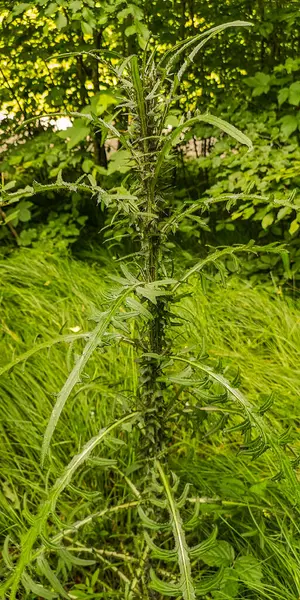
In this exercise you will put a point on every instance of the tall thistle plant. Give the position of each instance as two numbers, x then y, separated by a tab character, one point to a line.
171	548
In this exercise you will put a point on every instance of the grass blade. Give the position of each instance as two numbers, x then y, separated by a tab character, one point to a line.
74	377
42	346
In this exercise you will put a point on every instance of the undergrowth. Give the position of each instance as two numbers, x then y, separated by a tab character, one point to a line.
237	323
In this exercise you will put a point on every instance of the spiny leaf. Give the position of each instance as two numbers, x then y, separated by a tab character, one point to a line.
5	553
200	549
194	520
180	502
186	582
267	404
166	555
150	523
139	308
234	392
220	123
75	560
183	45
266	437
164	588
217	254
212	33
208	584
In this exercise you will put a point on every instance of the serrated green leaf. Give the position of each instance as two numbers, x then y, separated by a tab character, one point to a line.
221	554
228	586
249	570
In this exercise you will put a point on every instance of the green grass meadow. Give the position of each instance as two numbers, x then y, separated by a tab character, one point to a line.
44	301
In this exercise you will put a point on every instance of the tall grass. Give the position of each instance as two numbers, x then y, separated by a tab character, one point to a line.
42	298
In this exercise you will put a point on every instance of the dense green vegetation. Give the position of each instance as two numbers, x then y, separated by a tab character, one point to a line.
243	326
248	76
149	333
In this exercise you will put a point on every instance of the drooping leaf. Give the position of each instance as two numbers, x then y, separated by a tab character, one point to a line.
75	560
50	575
206	118
150	523
36	588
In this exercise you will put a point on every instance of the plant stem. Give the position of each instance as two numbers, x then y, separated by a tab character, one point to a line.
152	389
